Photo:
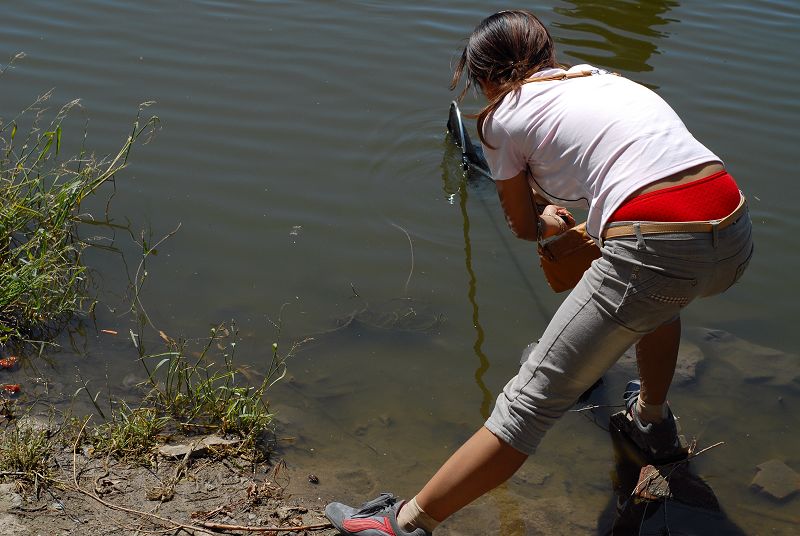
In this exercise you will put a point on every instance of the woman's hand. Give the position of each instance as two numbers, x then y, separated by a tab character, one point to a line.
555	220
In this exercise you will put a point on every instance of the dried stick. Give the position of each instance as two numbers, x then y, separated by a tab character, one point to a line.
596	406
674	465
221	526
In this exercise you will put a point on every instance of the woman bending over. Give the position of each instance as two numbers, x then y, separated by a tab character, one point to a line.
671	223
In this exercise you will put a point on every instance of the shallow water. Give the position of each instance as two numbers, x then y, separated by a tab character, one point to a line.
301	141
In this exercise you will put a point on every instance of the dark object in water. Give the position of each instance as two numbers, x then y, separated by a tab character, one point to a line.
656	500
472	158
676	482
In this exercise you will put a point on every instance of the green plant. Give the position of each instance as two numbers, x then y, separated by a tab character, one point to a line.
42	278
129	434
201	394
25	454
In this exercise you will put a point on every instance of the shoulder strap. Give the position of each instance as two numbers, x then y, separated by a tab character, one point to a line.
568	76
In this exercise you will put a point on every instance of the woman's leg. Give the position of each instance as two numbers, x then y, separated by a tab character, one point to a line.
484	461
580	343
480	465
656	355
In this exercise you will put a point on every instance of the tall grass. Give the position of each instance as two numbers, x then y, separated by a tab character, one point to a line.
42	278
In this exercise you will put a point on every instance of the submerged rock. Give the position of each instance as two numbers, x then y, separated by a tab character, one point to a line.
689	357
776	479
756	363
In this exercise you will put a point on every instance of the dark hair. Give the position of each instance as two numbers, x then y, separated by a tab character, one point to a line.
504	50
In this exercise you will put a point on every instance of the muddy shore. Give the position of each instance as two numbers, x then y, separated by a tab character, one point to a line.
197	495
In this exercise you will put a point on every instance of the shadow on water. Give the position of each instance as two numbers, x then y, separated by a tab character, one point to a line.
618	34
689	506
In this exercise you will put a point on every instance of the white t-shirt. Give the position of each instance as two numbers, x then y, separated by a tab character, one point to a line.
589	142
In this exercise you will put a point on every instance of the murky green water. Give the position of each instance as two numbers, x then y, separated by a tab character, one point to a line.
301	141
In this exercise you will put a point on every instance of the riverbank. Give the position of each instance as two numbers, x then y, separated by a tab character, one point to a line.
203	492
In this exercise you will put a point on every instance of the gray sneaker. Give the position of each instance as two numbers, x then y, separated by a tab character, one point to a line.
659	442
377	517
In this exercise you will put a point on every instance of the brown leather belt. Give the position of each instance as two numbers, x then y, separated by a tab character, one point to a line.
659	227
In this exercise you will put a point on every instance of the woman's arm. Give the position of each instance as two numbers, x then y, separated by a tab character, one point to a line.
517	200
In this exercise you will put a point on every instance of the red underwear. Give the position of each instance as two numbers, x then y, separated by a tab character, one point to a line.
709	198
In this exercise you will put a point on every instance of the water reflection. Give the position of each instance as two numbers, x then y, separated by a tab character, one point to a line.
448	169
616	34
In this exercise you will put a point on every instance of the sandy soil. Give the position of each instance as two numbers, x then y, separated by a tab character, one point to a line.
179	496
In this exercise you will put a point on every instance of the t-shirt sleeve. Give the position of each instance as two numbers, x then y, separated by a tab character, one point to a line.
505	160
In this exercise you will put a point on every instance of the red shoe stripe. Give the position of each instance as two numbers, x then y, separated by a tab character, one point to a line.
357	525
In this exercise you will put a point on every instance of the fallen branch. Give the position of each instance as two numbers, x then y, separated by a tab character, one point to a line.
221	526
699	452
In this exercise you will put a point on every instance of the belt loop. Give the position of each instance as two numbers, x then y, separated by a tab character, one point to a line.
637	229
714	233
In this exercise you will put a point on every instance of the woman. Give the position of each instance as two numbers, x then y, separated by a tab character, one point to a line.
584	137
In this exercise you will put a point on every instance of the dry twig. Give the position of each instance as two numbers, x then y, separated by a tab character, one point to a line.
222	526
645	482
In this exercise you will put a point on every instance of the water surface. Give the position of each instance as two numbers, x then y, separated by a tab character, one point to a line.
303	146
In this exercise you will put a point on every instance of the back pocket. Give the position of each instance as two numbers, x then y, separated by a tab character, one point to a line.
652	297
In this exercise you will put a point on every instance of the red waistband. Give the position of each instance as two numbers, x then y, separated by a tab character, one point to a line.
709	198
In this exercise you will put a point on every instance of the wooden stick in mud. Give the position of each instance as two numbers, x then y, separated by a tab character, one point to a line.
221	526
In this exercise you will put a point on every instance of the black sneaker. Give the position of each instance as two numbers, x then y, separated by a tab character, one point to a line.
659	442
377	517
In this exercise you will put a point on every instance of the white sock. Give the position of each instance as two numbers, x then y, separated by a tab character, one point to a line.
650	412
413	517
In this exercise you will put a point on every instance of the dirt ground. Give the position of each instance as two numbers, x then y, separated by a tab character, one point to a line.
198	495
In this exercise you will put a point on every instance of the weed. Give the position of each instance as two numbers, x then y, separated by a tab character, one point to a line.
129	434
201	394
25	454
42	279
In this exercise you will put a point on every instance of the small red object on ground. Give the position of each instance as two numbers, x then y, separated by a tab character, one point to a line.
8	362
10	388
